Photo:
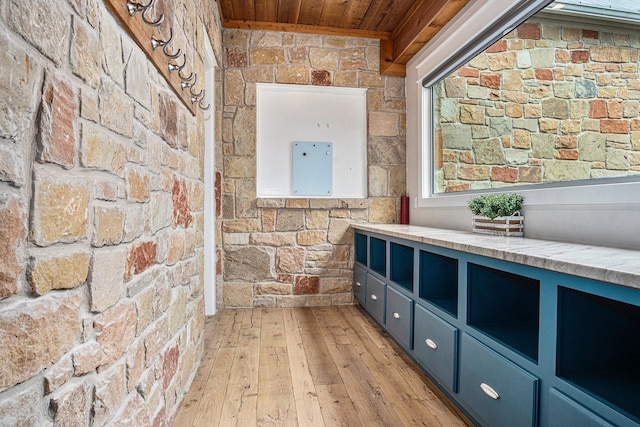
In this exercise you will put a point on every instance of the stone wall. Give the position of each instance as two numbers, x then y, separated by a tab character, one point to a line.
552	101
101	218
297	252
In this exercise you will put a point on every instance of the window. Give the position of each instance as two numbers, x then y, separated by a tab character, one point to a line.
553	102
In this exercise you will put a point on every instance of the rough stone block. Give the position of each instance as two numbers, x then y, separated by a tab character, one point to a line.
58	272
382	210
306	285
111	47
46	328
137	76
290	260
108	224
340	230
135	221
112	98
272	239
237	295
139	258
86	358
311	237
115	330
44	24
135	364
180	197
71	405
13	228
109	393
267	56
57	142
58	374
290	220
292	74
332	285
382	151
565	170
177	309
383	124
248	263
106	278
100	150
239	167
60	208
85	54
29	413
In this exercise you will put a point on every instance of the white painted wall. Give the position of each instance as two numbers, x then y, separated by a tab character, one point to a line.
607	214
288	113
209	181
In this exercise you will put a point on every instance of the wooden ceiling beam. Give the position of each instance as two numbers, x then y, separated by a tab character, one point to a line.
416	29
308	29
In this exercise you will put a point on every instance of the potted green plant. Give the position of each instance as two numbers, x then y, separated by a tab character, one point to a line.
498	214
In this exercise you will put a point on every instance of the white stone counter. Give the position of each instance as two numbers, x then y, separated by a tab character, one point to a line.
617	266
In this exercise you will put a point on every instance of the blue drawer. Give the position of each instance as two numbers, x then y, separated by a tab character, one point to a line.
435	347
399	316
563	411
375	292
359	285
497	392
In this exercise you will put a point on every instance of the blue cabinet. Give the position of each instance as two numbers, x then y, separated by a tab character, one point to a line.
435	346
359	284
564	411
399	317
376	292
511	345
495	390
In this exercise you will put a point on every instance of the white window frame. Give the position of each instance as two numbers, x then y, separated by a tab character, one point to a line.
472	21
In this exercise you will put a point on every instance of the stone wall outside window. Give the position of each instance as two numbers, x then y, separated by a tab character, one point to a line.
552	101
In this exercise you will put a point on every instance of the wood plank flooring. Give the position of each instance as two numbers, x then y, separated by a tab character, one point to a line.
324	366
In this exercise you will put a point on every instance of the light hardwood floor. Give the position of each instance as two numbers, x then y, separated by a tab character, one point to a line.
325	366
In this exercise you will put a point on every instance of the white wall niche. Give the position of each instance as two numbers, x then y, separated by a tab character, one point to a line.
289	113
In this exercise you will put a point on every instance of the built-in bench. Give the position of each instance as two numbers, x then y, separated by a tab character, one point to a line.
516	331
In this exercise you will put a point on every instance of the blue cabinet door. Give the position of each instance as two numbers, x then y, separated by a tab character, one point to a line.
376	293
435	347
399	317
497	392
563	411
359	284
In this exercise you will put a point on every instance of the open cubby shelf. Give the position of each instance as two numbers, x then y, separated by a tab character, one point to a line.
506	307
378	256
402	265
560	349
599	347
439	281
361	249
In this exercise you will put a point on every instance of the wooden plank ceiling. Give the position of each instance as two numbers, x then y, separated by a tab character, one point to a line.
403	26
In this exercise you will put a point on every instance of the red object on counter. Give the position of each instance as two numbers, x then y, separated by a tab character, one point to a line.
404	210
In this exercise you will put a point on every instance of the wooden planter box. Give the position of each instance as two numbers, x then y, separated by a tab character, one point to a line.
501	226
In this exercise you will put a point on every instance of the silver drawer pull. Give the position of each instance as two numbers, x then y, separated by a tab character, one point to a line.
396	315
430	343
358	284
489	391
374	297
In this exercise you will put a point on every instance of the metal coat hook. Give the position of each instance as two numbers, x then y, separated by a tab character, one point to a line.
175	67
156	43
203	108
188	78
135	7
197	96
186	82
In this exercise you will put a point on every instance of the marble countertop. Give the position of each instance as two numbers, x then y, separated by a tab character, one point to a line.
617	266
